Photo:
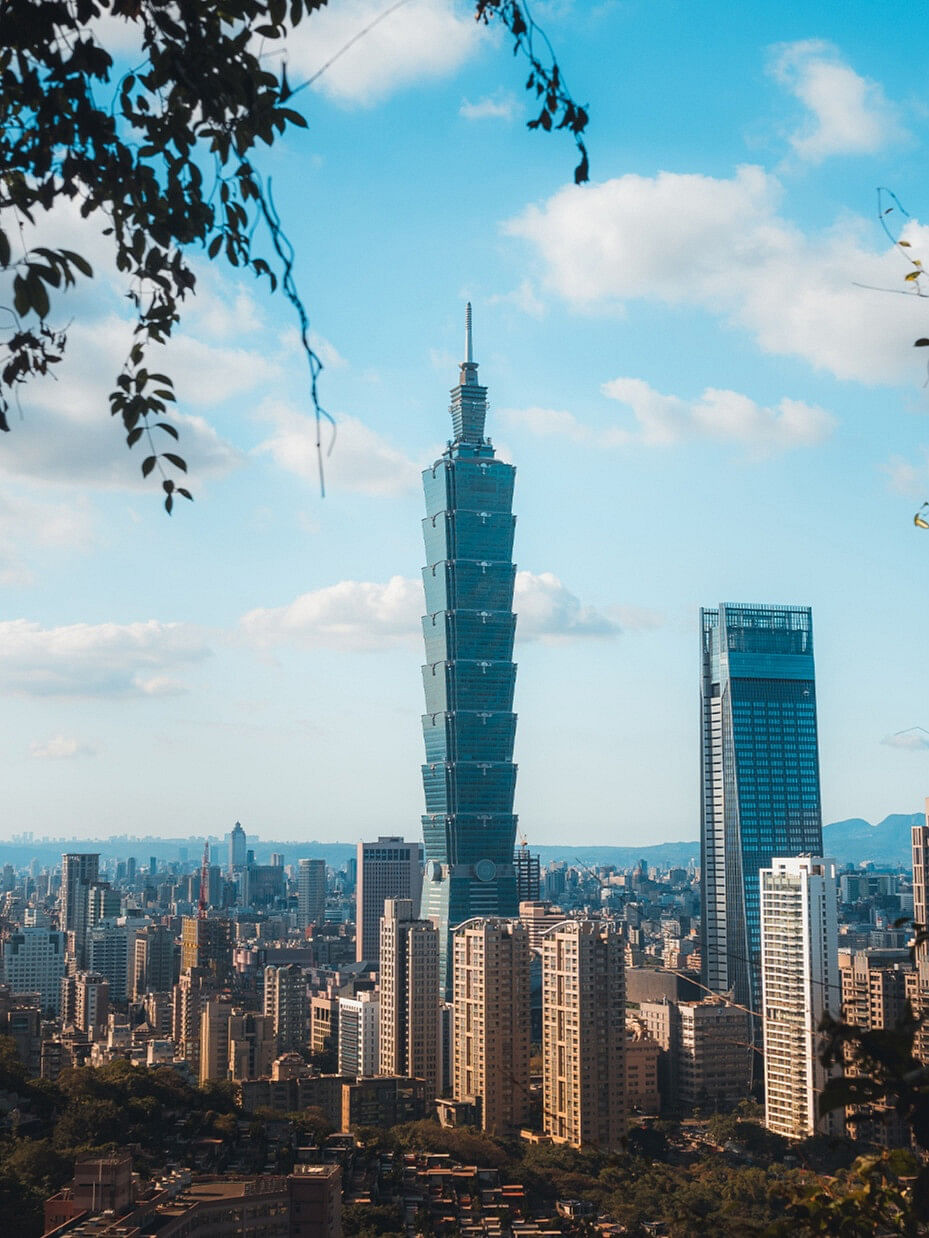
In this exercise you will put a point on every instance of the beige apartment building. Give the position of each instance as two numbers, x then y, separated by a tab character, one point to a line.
409	980
491	1021
584	1034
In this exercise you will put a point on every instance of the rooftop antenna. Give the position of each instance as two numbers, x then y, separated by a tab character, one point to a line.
469	356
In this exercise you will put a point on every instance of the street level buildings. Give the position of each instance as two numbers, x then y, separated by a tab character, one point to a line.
800	983
469	726
760	776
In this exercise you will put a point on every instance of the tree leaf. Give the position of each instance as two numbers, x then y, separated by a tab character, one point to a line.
148	464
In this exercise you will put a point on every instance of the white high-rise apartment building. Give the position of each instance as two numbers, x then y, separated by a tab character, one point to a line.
409	979
800	983
491	1020
311	892
388	868
34	962
359	1039
584	1034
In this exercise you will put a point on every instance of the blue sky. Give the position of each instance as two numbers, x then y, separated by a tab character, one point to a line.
702	404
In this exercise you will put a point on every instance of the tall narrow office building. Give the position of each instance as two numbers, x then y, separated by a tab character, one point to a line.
311	892
79	871
388	868
760	776
469	726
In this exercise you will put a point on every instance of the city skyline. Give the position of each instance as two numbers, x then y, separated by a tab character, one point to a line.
701	405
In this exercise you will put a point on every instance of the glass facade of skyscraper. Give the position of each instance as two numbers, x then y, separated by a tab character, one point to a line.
469	726
760	776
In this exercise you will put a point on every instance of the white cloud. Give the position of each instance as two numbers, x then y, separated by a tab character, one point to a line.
364	615
60	748
353	614
67	435
665	420
361	460
849	114
524	297
493	107
726	416
106	659
421	40
549	611
916	739
688	240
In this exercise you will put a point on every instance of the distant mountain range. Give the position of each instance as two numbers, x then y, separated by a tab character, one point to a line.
854	841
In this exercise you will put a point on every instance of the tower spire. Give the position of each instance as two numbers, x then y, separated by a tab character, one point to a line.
469	353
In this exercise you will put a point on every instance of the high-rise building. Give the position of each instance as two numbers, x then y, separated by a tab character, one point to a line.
760	776
103	903
91	1003
584	1034
34	962
108	948
154	965
251	1045
528	875
409	979
286	1004
921	887
491	1021
214	1039
238	848
388	868
311	892
469	725
206	944
800	983
78	872
706	1048
359	1025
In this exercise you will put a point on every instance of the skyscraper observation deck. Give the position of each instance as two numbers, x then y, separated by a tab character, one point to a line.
469	726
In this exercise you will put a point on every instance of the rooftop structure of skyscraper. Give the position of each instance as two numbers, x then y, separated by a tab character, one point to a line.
469	725
760	775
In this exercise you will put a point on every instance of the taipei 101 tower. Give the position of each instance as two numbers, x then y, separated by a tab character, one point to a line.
469	726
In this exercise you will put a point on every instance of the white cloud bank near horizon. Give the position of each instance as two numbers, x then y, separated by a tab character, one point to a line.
101	660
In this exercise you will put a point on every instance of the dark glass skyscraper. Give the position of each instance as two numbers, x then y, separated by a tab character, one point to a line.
469	726
760	776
